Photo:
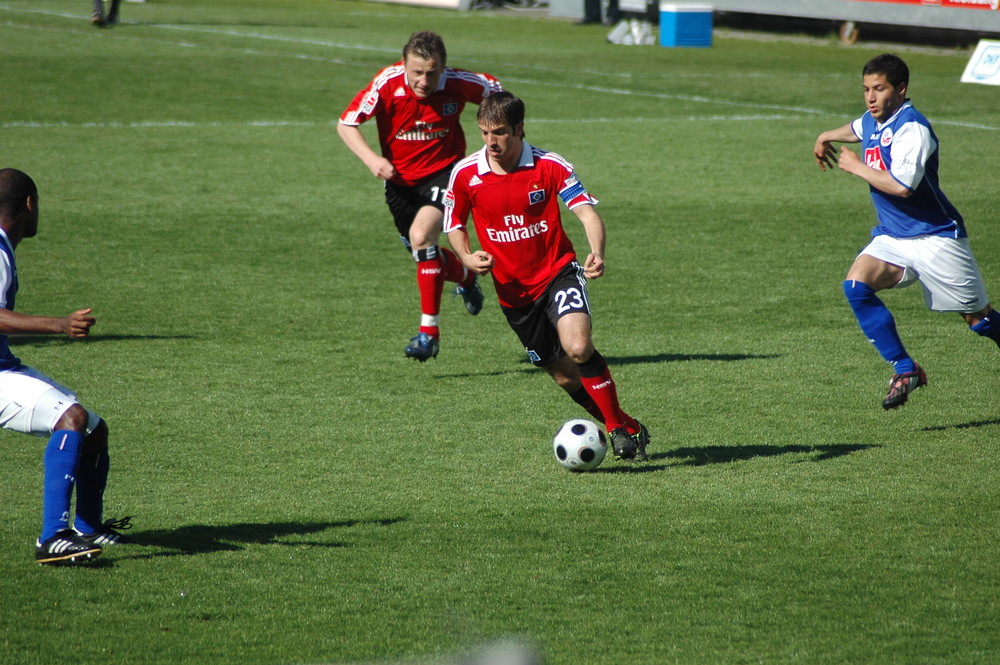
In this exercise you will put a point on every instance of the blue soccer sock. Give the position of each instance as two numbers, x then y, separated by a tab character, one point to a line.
878	325
60	460
91	479
989	326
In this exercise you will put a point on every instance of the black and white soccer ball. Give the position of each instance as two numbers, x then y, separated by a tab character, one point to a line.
580	445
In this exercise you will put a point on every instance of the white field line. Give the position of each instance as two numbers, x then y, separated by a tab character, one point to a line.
306	123
697	99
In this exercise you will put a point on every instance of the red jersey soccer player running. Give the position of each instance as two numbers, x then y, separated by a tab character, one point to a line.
417	104
512	190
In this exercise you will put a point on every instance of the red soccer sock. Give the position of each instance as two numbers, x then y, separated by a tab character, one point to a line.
601	388
430	281
454	271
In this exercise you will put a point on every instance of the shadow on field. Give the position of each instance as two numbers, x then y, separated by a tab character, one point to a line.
704	455
203	539
681	357
39	340
975	423
528	368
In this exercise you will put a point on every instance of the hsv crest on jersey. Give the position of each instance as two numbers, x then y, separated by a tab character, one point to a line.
536	196
873	158
450	108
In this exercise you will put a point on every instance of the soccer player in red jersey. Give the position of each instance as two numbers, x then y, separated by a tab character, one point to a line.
512	190
417	104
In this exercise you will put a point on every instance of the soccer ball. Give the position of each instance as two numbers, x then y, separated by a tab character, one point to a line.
580	445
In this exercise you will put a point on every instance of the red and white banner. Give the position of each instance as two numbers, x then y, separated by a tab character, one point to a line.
953	4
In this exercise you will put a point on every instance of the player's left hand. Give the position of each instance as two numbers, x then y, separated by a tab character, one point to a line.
593	267
479	262
848	159
77	325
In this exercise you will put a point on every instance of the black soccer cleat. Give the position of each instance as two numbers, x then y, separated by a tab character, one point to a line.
901	385
66	547
422	347
622	444
641	439
472	295
108	533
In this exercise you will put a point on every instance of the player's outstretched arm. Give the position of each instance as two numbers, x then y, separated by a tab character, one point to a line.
76	325
824	152
355	141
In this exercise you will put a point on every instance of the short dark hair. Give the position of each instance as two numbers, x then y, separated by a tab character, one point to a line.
15	188
891	66
426	45
501	108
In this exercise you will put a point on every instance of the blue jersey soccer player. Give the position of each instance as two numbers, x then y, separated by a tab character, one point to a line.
920	235
32	403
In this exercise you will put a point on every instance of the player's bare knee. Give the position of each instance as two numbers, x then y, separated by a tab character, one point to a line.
75	419
579	350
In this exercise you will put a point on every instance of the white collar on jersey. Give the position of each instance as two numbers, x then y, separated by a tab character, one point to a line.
527	158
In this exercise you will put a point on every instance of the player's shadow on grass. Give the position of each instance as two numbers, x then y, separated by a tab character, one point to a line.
205	539
528	368
975	423
704	455
681	357
40	340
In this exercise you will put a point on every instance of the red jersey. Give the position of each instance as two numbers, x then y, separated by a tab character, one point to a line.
419	136
517	218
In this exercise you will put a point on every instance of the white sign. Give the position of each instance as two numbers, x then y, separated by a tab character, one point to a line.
984	65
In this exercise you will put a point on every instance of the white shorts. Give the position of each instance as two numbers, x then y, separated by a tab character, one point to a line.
945	268
32	403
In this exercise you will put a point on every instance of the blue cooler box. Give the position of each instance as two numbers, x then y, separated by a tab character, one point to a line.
685	25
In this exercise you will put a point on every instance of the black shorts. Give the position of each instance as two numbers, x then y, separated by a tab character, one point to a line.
404	201
535	324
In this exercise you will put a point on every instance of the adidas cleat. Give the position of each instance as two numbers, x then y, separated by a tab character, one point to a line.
901	385
108	533
66	547
422	347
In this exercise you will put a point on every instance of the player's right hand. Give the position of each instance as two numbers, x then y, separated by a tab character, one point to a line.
825	154
382	169
77	325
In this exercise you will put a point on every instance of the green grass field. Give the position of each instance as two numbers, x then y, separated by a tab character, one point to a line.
304	494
